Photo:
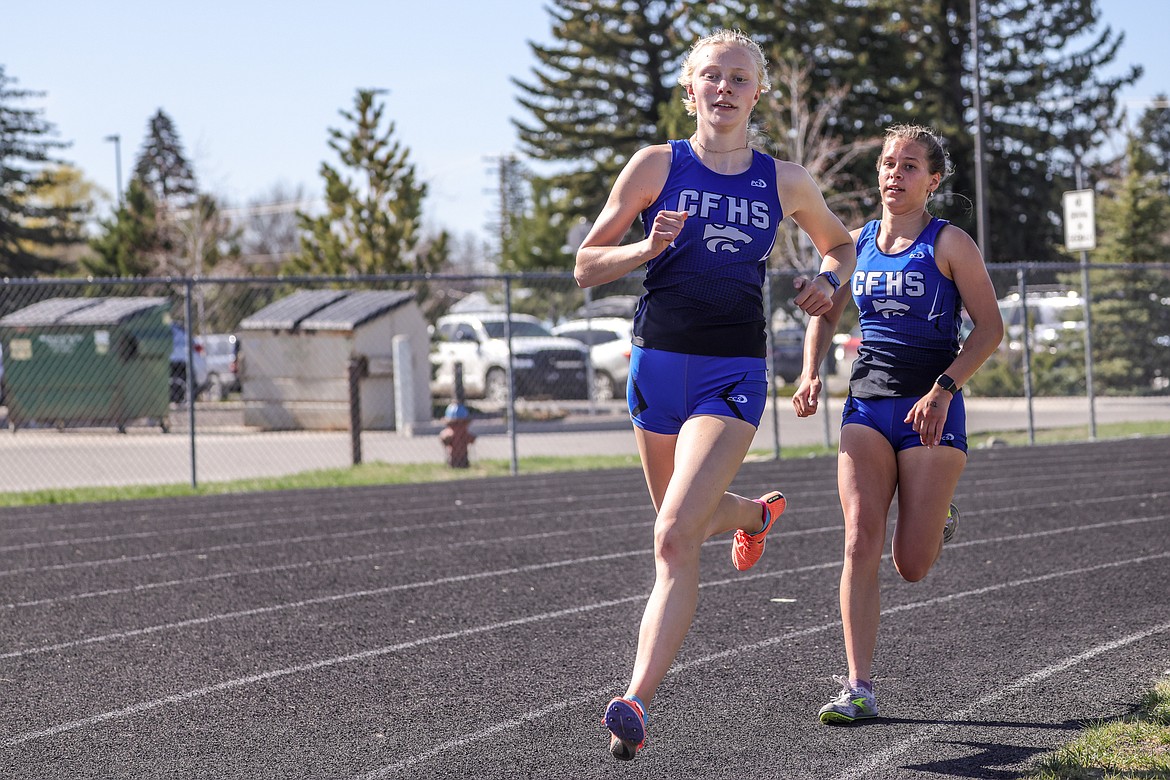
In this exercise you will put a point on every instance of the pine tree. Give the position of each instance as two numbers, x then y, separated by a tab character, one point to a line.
373	218
600	91
1131	321
162	168
32	227
128	243
1152	154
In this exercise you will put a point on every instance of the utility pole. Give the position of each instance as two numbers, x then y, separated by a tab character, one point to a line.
980	176
117	140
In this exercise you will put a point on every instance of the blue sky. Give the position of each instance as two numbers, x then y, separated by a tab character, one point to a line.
254	86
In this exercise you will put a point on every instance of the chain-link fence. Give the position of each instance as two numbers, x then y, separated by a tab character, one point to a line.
149	381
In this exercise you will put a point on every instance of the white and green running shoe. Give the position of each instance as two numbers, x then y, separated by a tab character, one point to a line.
952	524
850	705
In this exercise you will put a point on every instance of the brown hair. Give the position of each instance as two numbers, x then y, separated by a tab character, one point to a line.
937	158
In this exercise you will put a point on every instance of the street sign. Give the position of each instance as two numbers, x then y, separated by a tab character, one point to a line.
1080	224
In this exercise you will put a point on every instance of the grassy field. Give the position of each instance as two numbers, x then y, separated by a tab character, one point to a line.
1135	747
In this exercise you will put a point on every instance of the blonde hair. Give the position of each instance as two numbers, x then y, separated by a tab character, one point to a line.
937	159
722	38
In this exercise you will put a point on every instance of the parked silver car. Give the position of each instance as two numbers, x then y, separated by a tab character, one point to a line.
178	391
608	339
221	351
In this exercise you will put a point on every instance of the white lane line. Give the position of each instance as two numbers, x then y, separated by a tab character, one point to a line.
369	592
378	513
336	535
365	593
454	523
505	540
324	663
244	613
424	511
887	756
241	682
594	695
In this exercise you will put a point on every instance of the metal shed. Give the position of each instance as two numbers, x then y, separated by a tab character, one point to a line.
296	354
88	361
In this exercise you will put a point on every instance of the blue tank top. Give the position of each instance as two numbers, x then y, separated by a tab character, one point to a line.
704	292
909	314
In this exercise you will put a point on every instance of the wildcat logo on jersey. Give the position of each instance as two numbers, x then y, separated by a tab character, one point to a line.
889	308
724	238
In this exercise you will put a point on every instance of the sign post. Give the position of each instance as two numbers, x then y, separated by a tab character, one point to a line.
1080	233
1080	224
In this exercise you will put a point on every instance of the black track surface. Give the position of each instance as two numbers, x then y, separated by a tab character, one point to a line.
477	629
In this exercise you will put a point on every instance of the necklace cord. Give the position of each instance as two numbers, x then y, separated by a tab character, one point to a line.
695	138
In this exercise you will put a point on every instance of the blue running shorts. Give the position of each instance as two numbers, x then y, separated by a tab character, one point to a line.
666	388
886	415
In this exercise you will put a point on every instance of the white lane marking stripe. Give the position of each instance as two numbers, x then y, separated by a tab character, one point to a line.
886	756
467	739
376	652
366	593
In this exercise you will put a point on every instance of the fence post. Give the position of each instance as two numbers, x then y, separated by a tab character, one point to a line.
1022	284
191	378
511	410
358	368
1088	346
404	402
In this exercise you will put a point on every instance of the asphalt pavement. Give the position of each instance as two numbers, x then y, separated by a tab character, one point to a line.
477	628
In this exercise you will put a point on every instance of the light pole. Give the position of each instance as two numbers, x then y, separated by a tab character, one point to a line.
117	140
980	176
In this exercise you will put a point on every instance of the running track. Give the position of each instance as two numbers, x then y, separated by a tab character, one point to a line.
476	629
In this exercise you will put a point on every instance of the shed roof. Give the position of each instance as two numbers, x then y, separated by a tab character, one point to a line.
356	309
82	311
326	309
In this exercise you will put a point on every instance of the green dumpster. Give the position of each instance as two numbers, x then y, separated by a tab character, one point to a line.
88	361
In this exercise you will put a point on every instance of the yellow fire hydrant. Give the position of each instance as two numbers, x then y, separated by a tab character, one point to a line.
456	436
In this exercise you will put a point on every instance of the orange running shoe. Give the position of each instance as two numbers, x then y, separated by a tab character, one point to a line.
626	721
747	548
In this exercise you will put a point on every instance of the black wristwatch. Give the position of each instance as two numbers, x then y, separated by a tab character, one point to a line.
946	383
832	279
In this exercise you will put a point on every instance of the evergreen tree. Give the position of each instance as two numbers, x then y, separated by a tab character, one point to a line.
600	91
1131	319
129	243
373	218
32	227
604	90
1045	102
1152	154
543	246
162	168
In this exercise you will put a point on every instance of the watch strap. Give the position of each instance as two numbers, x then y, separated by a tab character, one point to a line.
832	279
